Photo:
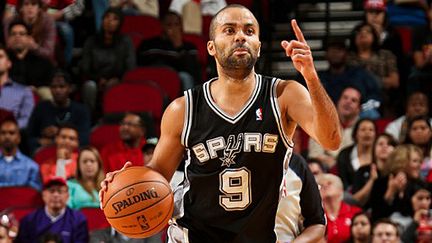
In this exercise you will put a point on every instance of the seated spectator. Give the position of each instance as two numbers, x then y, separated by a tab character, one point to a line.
48	116
339	214
366	53
385	231
418	224
421	76
55	217
341	75
316	167
28	68
357	155
348	109
419	133
16	168
64	162
83	189
417	105
106	57
43	31
8	227
137	7
14	97
132	134
361	228
63	11
171	50
4	235
366	175
390	190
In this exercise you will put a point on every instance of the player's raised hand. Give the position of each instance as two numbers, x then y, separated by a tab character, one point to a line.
109	178
300	52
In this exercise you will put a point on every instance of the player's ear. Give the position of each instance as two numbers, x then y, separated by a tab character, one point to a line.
259	49
211	48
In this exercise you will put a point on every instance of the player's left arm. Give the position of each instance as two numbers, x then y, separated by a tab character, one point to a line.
313	111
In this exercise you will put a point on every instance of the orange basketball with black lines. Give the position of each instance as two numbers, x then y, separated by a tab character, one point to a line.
139	202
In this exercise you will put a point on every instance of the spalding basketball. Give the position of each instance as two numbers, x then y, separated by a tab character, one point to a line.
138	202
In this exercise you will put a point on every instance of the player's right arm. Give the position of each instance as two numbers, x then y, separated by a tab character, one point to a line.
169	150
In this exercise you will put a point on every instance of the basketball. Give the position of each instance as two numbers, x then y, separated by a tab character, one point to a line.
139	202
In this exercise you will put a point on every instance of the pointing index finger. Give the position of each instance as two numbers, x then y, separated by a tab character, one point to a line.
297	31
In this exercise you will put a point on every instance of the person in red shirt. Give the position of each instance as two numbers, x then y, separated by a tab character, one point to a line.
338	213
128	148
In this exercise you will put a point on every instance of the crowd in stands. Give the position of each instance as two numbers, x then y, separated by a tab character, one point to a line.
59	136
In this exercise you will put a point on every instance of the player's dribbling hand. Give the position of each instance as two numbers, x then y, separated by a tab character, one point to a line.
109	178
300	52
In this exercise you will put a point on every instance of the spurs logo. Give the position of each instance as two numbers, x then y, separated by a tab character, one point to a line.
232	149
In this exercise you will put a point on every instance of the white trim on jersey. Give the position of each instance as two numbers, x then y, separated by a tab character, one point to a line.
187	117
277	113
247	106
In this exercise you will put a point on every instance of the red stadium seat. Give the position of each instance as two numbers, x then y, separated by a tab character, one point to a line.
95	218
145	26
165	77
381	124
21	212
104	134
17	197
45	153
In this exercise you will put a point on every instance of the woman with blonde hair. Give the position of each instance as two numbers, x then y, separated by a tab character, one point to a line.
83	189
402	167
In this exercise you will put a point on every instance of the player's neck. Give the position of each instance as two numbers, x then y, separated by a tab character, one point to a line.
236	75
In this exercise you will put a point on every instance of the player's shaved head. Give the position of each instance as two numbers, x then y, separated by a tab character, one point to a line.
215	19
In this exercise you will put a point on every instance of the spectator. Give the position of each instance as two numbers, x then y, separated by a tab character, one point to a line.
366	53
348	109
83	189
385	231
43	31
316	167
106	57
132	135
137	7
4	235
55	218
360	228
14	97
48	116
402	167
417	105
64	162
421	76
418	224
16	168
339	214
171	50
28	68
357	155
419	133
341	75
63	11
365	176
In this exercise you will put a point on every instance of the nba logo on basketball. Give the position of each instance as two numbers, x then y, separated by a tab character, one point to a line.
143	222
259	115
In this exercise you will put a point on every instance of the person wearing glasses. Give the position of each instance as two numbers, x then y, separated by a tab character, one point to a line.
128	148
55	217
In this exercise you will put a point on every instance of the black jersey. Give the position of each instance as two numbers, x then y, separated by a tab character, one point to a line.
235	166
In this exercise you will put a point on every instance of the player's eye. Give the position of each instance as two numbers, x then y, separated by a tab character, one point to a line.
229	30
250	31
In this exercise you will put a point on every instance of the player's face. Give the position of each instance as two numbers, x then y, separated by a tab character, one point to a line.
361	228
88	164
55	197
236	43
385	233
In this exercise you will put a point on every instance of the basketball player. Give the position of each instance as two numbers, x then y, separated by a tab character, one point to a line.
237	132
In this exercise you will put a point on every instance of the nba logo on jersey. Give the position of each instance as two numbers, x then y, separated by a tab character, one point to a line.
259	115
